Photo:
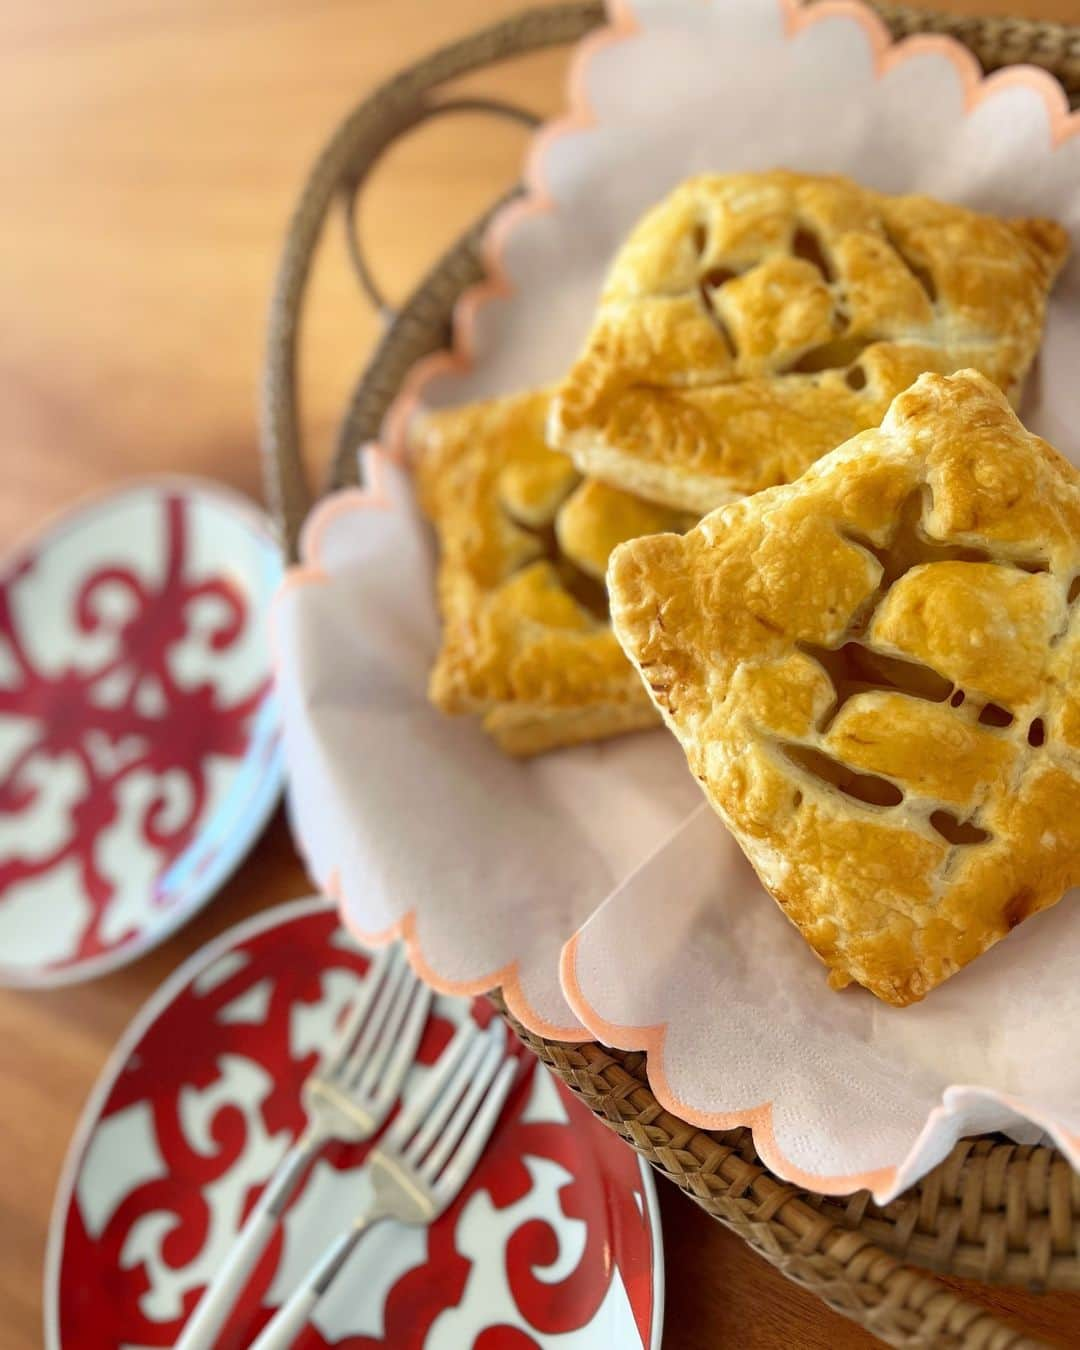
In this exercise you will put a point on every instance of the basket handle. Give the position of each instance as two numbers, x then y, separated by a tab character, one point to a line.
403	102
368	284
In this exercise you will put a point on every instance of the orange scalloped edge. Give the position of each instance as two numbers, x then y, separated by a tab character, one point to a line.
882	1182
312	571
536	200
758	1119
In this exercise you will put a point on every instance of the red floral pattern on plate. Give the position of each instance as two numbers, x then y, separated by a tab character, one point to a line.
552	1236
111	708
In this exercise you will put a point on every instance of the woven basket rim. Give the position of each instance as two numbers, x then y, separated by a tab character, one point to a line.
993	1210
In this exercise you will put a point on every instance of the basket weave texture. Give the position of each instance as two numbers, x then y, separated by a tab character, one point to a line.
993	1211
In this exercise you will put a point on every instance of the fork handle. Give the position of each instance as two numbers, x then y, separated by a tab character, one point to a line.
211	1313
291	1318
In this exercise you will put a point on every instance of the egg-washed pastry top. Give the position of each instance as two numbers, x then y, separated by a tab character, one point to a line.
875	675
752	322
524	544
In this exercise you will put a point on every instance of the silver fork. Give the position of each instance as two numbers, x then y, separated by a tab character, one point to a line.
348	1097
422	1163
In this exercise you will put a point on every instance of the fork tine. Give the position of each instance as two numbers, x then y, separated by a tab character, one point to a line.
390	1034
358	1013
397	967
457	1170
387	1088
440	1110
410	1116
432	1165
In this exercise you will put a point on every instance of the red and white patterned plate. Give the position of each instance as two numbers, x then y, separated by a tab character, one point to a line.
139	737
554	1244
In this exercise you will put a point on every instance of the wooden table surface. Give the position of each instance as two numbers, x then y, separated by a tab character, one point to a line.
151	153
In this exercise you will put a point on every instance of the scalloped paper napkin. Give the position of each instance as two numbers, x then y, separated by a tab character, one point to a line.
489	867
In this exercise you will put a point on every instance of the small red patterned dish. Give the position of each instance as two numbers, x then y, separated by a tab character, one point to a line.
139	736
554	1243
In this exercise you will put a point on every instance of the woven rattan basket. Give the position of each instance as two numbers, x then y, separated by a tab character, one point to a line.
992	1211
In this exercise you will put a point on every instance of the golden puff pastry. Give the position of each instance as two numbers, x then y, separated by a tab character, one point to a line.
752	322
875	674
524	546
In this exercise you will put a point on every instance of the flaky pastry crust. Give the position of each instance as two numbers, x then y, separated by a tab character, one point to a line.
524	544
875	674
752	322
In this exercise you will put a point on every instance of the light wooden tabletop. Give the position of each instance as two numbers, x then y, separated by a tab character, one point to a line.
151	153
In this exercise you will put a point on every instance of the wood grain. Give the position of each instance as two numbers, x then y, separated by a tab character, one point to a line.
152	150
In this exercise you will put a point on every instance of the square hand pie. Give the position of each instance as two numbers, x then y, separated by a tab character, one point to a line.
752	322
875	674
524	547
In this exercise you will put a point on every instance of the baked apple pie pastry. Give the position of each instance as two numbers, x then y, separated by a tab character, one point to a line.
752	322
524	544
875	675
